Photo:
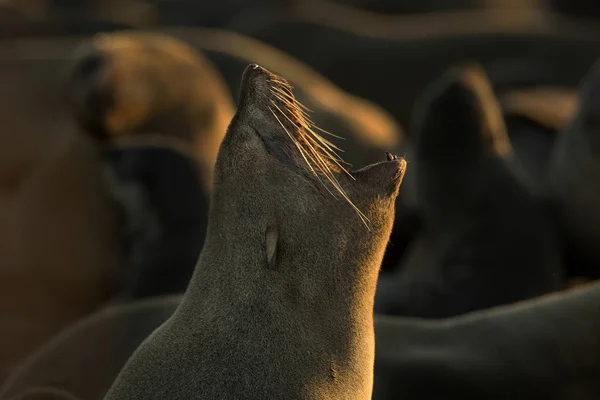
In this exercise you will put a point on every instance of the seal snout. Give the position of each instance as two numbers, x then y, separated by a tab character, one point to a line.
255	80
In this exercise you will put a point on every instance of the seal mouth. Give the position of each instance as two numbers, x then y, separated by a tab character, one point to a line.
291	129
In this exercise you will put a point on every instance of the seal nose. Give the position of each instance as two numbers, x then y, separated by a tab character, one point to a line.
256	86
255	77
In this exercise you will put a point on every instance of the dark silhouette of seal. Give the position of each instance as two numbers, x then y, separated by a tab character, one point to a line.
572	188
266	315
543	348
490	242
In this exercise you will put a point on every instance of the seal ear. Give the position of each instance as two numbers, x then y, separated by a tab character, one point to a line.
271	245
383	177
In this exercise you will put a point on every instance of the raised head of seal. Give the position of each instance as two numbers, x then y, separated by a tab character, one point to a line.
281	301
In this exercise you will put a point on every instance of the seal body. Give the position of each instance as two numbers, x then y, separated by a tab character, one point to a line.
258	284
489	240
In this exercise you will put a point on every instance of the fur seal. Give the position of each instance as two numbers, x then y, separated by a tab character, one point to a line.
368	130
490	241
59	256
571	189
265	315
134	83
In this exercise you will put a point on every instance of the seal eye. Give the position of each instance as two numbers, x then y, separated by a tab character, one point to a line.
271	242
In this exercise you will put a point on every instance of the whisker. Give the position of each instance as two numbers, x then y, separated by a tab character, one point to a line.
318	153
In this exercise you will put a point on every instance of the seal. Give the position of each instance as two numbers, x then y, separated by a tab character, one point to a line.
368	130
542	348
59	256
571	181
267	314
490	240
138	83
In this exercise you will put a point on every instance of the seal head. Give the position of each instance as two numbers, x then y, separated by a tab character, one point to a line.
281	301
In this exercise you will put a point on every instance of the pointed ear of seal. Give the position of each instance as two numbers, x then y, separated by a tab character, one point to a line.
271	245
384	177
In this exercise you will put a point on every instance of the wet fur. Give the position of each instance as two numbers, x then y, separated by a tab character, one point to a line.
302	328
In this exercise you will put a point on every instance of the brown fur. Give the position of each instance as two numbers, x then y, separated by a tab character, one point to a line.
58	252
294	325
136	83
